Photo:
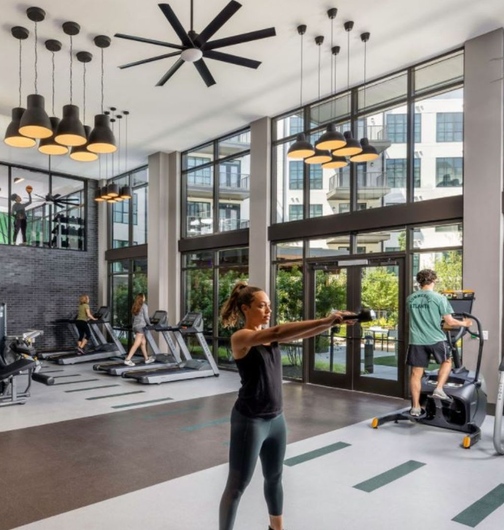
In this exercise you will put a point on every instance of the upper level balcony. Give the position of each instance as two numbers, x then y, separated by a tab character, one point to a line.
376	134
232	186
370	186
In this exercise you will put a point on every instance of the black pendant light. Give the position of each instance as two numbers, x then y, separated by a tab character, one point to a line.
35	122
12	137
81	153
101	139
368	153
126	193
352	146
320	156
301	148
71	132
49	146
332	138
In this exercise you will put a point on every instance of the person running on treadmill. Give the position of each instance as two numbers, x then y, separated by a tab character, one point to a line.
426	309
257	422
140	320
83	315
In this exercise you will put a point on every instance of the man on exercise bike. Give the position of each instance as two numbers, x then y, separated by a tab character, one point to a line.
426	309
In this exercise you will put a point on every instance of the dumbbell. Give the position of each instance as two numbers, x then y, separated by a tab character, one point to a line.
364	315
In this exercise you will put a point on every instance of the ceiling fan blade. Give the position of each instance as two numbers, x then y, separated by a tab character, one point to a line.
175	24
149	41
232	59
218	22
170	72
239	39
152	59
204	72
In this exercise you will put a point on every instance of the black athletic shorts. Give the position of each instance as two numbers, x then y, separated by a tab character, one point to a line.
419	354
83	328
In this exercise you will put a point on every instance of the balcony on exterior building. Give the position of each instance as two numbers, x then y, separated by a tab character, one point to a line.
377	136
201	225
232	186
370	186
225	225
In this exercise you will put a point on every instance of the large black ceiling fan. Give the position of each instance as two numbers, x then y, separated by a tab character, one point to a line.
195	47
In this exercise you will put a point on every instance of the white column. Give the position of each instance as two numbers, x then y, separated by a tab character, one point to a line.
483	176
164	233
260	203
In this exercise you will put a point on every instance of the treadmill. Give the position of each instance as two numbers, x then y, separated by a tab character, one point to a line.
190	326
105	349
52	355
159	322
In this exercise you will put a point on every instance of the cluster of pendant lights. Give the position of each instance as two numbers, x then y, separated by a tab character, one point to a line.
333	149
68	135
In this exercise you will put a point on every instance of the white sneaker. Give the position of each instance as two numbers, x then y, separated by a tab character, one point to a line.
129	363
150	360
441	395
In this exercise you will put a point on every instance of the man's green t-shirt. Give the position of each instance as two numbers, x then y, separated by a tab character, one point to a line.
82	314
426	309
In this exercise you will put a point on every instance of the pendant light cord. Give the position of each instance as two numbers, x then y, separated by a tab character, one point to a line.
192	15
319	56
364	87
36	59
52	99
71	70
119	147
102	75
348	72
84	93
126	150
20	70
301	88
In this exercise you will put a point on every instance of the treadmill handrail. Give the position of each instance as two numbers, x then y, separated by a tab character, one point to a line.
479	335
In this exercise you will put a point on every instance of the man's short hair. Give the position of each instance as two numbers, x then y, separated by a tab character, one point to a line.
426	277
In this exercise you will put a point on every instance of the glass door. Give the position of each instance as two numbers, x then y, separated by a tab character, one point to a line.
368	356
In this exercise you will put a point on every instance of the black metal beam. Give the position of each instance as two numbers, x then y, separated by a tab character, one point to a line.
238	238
115	254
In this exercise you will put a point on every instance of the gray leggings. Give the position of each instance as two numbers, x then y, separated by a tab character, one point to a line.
252	438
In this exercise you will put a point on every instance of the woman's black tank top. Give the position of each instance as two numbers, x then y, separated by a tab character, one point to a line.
260	395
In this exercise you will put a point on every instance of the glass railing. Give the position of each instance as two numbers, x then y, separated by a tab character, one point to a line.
225	225
370	179
236	181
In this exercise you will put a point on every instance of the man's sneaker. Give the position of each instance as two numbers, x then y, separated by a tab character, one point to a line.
129	363
441	395
150	360
80	351
415	412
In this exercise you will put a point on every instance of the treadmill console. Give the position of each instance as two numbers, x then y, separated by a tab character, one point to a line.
461	301
103	313
191	322
159	318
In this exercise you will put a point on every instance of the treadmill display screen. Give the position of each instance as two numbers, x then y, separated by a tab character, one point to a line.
190	320
462	306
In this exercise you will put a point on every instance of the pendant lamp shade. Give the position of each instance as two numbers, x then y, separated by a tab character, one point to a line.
81	153
336	162
12	136
102	139
352	147
97	196
48	146
104	193
113	190
301	148
35	122
320	157
368	152
126	192
70	130
331	139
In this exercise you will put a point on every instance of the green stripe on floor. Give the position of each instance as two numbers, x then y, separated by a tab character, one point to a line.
116	395
89	388
482	508
191	428
138	403
300	459
75	382
389	476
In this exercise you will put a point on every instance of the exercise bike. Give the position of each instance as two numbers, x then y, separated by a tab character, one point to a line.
466	410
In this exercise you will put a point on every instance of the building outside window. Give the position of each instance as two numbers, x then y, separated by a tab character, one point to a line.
449	172
296	175
397	128
396	172
295	212
449	126
315	210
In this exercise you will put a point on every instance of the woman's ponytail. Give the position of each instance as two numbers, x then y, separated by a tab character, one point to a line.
231	312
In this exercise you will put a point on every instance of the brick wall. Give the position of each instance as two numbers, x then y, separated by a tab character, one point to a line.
40	285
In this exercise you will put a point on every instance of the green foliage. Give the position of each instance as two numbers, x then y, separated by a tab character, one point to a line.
199	286
380	291
120	299
289	294
330	292
4	228
227	281
448	268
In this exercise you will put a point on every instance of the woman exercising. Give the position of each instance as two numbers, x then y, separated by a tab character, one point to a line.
83	315
257	421
140	320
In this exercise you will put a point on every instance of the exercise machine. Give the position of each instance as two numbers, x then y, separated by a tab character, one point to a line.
189	368
159	323
105	349
466	410
499	410
18	364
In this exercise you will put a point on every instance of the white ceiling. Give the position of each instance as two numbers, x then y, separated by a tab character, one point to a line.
185	112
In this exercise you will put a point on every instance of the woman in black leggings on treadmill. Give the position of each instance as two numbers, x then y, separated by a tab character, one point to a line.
257	422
